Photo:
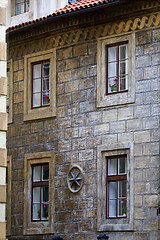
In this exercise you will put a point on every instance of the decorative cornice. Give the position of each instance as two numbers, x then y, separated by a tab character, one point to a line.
86	34
91	17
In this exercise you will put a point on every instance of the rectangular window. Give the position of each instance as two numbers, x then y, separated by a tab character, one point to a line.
116	70
117	67
116	187
9	101
40	192
22	6
40	84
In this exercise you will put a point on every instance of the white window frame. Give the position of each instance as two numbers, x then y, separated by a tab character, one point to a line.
119	98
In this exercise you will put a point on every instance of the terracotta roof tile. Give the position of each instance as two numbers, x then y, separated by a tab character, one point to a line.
74	7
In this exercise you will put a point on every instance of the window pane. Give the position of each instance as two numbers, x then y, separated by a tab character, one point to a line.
123	49
36	99
46	68
45	194
46	83
123	83
37	85
46	98
19	8
36	195
36	211
123	67
45	172
112	54
112	82
122	165
37	71
112	69
44	211
112	190
112	166
27	5
36	173
112	208
122	207
122	189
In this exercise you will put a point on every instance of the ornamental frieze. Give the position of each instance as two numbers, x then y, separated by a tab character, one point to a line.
87	34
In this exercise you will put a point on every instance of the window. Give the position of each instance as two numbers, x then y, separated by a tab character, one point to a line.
116	187
115	167
9	102
8	195
117	67
40	192
40	85
21	6
116	70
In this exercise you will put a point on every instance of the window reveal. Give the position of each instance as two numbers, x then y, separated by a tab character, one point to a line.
40	84
40	192
116	187
117	67
22	6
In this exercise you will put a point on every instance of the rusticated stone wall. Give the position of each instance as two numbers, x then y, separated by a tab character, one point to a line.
76	131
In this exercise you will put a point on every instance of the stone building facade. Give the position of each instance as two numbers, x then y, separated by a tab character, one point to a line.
85	133
3	119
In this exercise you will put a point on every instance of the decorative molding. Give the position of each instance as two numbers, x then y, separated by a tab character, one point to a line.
75	178
87	34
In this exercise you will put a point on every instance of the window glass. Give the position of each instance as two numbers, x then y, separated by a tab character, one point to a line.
36	85
45	174
46	69
122	165
36	195
36	173
123	52
112	166
112	54
22	6
117	68
36	100
45	194
40	192
41	84
44	212
36	211
37	71
117	187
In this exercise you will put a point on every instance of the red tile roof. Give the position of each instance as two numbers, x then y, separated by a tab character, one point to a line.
70	8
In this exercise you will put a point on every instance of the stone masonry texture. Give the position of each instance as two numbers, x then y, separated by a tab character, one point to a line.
76	131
